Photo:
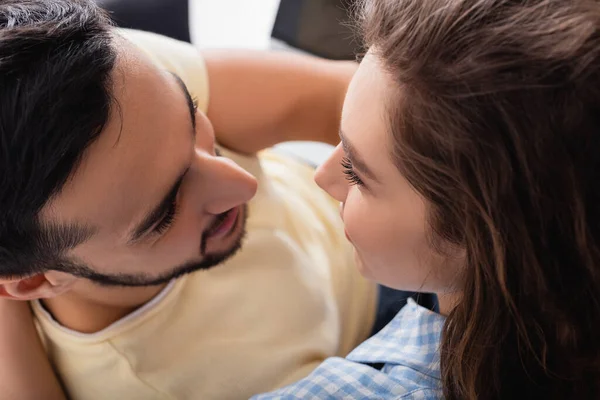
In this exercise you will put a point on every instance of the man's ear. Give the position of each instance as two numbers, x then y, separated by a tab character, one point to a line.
40	286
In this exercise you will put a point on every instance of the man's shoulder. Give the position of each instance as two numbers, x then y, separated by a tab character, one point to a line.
152	42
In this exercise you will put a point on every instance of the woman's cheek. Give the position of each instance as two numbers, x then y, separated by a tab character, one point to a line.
358	218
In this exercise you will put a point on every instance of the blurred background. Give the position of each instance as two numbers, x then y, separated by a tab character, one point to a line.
317	27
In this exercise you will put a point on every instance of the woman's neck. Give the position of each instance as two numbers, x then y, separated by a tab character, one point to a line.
447	302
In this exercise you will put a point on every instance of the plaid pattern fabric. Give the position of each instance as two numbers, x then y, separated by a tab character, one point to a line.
408	349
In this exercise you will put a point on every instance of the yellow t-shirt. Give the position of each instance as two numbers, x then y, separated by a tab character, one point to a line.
265	318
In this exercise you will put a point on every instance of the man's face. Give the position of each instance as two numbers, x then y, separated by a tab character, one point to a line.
159	199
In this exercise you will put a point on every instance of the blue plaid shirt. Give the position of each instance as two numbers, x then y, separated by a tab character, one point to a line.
408	349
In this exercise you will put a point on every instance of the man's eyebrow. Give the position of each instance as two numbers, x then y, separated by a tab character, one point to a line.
355	159
190	101
154	216
62	237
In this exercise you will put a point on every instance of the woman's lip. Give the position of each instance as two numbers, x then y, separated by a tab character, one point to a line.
225	227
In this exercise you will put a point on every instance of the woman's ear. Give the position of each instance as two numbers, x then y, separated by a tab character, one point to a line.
40	286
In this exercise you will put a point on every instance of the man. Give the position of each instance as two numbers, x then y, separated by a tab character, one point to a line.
123	224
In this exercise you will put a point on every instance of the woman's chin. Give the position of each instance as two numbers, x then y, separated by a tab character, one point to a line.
362	267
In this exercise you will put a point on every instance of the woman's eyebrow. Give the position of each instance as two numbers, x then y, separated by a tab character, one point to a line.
355	158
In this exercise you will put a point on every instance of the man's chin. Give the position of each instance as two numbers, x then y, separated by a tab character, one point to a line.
215	259
208	262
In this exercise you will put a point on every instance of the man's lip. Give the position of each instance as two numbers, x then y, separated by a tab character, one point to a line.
223	224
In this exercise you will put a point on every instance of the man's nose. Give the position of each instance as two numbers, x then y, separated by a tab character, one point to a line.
224	184
330	177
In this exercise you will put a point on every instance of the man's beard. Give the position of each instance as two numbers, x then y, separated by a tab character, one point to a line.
142	280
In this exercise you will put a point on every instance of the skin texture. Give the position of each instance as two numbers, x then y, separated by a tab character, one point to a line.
384	217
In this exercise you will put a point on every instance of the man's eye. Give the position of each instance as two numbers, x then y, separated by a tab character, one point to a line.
167	220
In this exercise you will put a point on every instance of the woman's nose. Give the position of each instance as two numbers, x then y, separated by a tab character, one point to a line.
330	177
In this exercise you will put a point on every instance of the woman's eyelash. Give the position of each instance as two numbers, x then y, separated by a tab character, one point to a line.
351	176
168	219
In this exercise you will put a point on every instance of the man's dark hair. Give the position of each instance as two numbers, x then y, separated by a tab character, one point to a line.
56	58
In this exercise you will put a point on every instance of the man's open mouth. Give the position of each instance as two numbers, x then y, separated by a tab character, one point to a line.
223	225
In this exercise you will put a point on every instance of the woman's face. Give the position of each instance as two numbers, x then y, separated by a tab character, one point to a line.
384	218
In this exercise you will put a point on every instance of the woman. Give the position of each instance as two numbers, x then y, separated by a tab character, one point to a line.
469	167
470	146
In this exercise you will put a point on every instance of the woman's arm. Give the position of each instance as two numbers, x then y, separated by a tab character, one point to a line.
25	372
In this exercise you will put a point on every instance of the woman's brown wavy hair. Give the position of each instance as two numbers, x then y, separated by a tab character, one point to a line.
496	123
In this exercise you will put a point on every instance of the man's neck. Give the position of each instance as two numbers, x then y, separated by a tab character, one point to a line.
89	308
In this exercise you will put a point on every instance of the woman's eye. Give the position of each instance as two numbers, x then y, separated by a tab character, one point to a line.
351	176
